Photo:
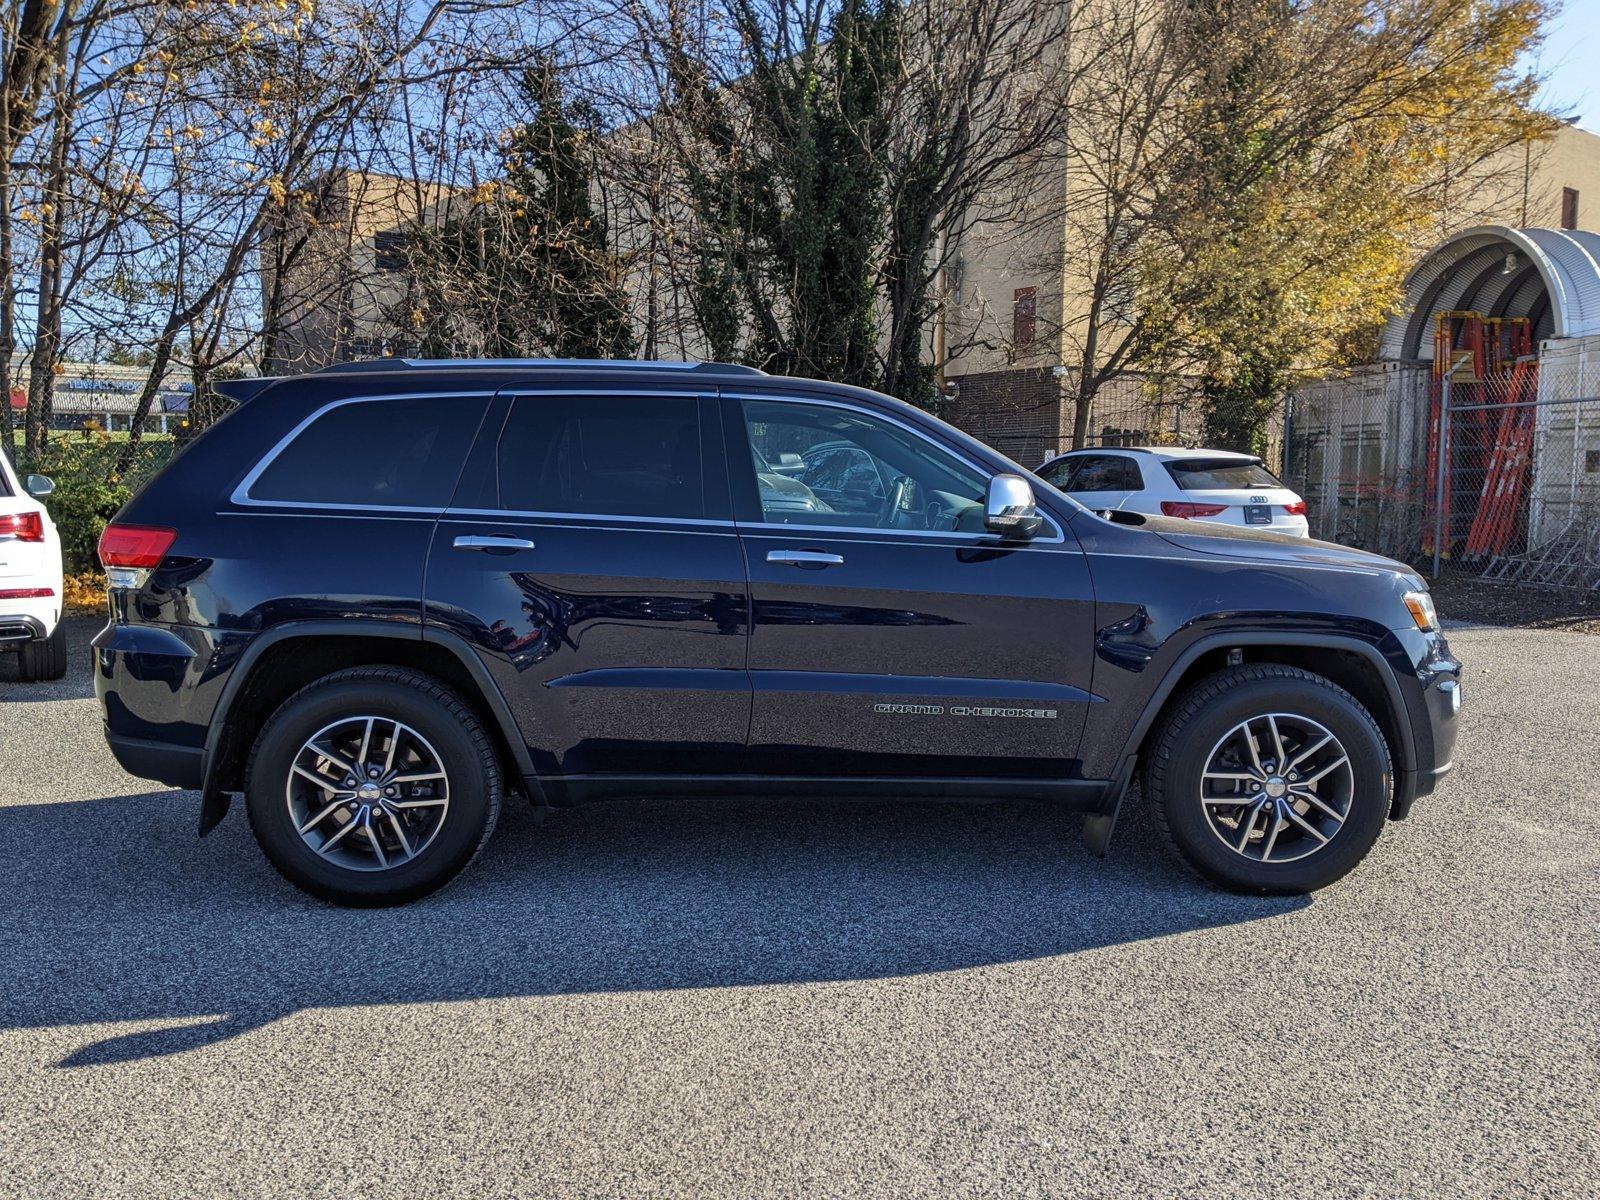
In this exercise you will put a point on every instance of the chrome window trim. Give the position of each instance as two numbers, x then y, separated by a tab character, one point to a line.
241	494
1058	538
522	514
241	497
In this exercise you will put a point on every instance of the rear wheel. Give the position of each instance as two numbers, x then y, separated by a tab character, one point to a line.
373	786
45	659
1269	779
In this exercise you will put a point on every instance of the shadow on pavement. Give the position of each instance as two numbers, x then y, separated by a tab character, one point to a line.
118	913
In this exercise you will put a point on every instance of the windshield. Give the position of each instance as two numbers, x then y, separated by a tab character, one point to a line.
1211	474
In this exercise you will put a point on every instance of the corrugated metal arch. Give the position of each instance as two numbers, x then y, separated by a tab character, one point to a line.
1563	292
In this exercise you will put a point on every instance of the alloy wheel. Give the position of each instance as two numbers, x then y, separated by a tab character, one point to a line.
1277	787
367	793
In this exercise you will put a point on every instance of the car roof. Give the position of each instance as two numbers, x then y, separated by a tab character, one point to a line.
1166	453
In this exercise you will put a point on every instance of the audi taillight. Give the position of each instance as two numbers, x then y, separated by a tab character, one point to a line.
1182	508
1297	509
135	545
24	526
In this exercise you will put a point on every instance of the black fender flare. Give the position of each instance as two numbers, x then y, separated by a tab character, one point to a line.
1098	827
214	801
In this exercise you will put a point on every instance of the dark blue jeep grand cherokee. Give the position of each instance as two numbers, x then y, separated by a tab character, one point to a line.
376	598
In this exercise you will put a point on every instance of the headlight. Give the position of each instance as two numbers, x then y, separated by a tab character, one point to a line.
1420	605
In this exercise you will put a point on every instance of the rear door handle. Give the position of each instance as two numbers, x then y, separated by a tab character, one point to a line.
811	559
492	542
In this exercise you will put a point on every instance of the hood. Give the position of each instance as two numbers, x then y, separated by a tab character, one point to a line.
1231	541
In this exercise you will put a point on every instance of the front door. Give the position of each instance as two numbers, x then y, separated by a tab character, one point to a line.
589	558
891	634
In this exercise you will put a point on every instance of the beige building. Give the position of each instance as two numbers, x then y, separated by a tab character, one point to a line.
1010	334
1015	313
334	273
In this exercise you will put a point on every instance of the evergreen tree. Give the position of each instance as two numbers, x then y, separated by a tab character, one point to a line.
528	269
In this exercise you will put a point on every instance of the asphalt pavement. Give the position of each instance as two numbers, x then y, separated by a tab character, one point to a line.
805	999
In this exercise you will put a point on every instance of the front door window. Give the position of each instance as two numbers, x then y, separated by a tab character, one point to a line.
851	470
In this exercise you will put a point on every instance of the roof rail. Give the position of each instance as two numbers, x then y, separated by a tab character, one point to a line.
614	364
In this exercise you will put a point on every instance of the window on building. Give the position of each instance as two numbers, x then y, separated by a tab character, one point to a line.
1569	208
389	250
403	453
1024	311
636	456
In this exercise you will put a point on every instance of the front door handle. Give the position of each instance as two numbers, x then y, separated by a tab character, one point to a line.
492	542
810	559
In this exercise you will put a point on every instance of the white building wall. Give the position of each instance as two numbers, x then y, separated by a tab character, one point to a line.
1565	495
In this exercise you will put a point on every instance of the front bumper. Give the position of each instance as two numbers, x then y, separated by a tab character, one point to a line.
1433	701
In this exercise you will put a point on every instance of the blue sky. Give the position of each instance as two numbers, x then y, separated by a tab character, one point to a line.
1571	59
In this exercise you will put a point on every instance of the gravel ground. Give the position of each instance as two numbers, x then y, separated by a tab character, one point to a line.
804	999
1467	598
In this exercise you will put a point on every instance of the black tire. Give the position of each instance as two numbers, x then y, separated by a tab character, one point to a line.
44	660
453	731
1203	715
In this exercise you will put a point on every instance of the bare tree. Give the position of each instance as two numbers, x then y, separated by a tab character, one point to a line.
1210	144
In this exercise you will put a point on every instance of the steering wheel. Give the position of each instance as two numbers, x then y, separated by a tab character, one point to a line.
900	505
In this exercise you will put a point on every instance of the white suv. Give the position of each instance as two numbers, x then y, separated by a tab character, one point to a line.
30	578
1200	485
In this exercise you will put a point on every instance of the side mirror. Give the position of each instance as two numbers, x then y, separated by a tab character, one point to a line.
39	486
1010	510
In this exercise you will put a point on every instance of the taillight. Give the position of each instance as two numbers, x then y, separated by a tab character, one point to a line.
1297	509
25	527
135	545
1182	508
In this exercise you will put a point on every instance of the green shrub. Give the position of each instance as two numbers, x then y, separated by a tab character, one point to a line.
86	498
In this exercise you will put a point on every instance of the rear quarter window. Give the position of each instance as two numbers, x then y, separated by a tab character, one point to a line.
1211	474
401	453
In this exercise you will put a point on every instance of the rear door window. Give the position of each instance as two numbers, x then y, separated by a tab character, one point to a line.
622	455
1059	473
1106	473
1212	474
399	453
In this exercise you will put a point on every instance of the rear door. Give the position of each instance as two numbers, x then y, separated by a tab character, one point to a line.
590	558
895	636
1101	481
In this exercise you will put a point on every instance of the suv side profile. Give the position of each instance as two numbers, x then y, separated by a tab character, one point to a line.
378	598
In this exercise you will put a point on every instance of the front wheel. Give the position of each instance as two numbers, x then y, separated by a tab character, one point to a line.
1269	779
373	786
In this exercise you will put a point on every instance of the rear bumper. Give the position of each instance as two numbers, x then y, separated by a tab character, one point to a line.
17	628
158	687
176	766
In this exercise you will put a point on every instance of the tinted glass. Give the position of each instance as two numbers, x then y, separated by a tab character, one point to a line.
607	455
1106	473
1202	474
1059	473
846	469
404	453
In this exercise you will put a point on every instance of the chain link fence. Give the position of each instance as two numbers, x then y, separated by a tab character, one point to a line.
94	474
1494	479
